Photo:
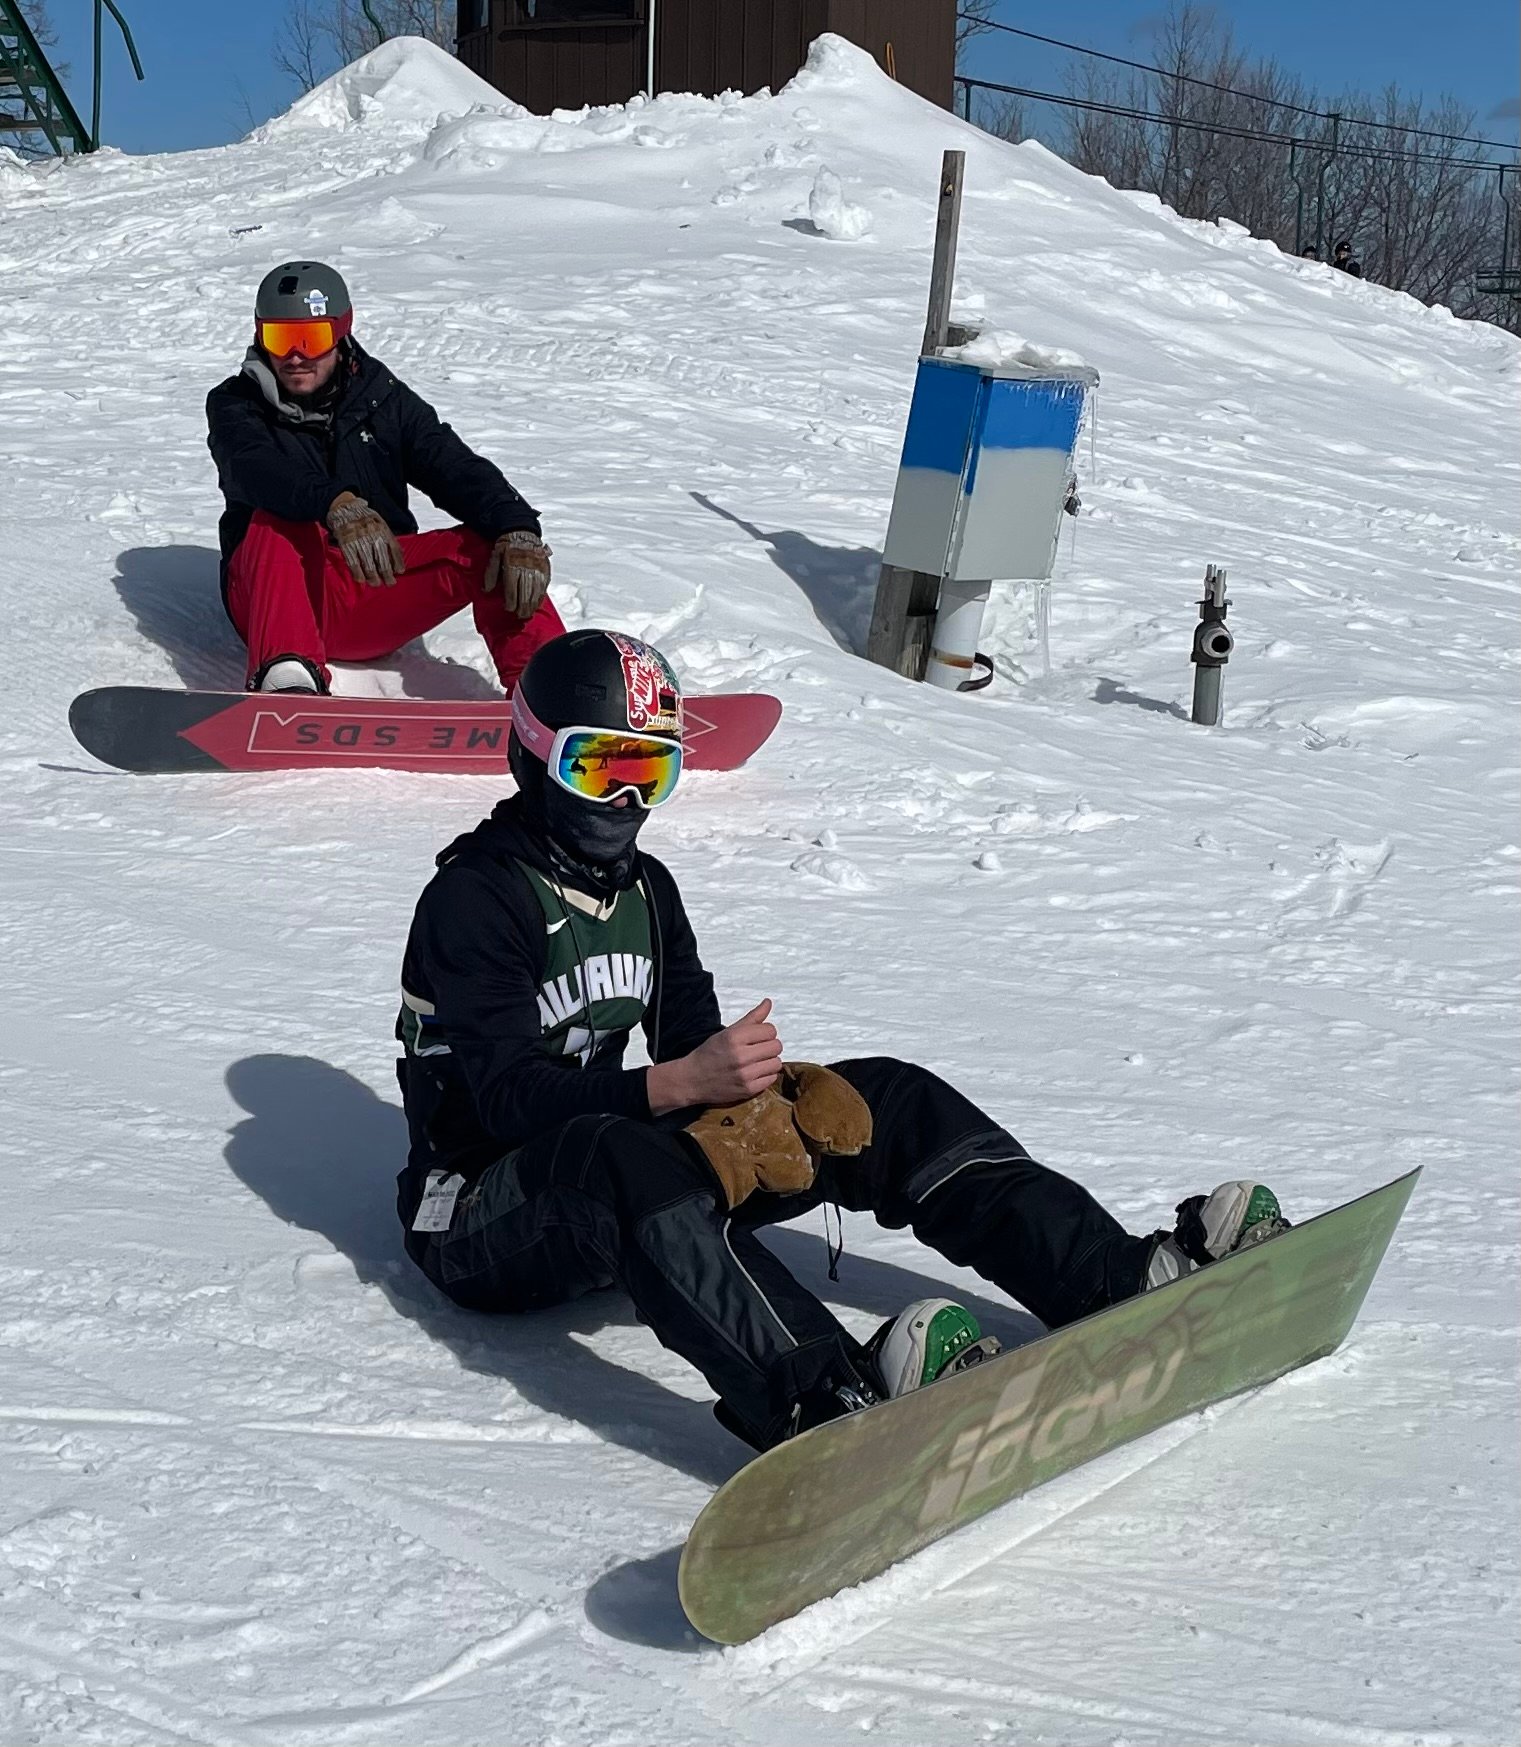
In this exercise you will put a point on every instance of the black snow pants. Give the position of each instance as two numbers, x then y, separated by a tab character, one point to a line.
604	1200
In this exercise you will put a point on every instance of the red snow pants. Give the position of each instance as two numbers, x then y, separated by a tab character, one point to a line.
290	593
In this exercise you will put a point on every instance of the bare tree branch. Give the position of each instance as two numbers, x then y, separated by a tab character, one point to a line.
320	36
35	12
1416	211
301	50
972	19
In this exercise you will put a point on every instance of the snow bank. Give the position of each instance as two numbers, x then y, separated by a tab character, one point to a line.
402	88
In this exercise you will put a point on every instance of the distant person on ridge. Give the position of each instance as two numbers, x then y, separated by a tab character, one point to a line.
1344	258
316	443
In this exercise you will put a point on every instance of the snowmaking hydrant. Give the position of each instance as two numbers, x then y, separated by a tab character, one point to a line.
1213	644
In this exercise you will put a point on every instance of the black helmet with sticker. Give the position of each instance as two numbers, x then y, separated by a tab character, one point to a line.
302	291
608	684
602	679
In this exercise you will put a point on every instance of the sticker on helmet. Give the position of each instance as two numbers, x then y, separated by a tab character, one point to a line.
316	302
654	698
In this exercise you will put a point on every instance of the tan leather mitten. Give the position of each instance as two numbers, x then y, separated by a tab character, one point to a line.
754	1145
829	1113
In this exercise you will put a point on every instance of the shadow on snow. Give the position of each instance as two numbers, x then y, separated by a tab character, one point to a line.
839	581
322	1151
174	594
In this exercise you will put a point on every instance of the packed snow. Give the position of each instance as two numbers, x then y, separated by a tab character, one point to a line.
260	1483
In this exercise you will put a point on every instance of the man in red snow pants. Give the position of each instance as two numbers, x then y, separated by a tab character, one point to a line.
316	443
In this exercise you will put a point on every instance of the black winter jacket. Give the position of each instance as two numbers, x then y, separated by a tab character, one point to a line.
477	955
382	438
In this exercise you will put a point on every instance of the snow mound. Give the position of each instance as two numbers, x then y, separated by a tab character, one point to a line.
834	63
483	140
831	214
407	86
998	347
13	170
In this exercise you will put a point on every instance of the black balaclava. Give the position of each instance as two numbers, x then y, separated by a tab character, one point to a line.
592	843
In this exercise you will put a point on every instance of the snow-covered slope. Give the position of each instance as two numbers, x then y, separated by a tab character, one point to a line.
260	1484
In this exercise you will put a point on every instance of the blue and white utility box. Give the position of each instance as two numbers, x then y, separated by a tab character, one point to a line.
987	461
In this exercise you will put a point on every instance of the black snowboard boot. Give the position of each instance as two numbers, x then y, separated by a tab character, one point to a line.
817	1382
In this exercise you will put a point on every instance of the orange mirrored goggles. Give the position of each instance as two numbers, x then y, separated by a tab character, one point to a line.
312	339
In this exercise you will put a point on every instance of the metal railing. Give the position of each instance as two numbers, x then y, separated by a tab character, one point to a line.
27	80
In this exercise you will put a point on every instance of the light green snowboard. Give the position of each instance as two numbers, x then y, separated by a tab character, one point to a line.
848	1499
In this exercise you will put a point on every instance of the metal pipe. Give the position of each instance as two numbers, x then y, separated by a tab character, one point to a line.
137	65
952	661
649	71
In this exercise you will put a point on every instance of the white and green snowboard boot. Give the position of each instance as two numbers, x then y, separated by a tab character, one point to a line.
930	1339
1209	1227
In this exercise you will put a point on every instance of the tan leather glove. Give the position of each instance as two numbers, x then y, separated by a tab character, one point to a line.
364	537
827	1111
519	561
754	1146
774	1140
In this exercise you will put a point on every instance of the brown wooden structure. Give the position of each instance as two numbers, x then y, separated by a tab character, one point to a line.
563	54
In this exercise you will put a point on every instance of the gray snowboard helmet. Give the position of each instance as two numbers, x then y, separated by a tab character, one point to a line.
299	306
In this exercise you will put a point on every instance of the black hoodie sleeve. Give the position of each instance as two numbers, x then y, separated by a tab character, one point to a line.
686	1011
463	484
478	949
255	468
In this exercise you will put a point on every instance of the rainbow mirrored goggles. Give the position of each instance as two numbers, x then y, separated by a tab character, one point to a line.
312	339
600	764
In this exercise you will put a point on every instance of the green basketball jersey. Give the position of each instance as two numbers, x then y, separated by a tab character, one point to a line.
599	971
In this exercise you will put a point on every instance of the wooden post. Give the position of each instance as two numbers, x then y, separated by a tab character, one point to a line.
902	620
903	616
943	272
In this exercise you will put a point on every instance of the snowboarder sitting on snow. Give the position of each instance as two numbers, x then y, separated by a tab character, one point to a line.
542	1168
316	443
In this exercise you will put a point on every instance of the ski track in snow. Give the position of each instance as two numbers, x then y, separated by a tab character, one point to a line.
261	1484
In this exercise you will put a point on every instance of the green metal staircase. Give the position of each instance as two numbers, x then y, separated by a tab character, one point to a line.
32	98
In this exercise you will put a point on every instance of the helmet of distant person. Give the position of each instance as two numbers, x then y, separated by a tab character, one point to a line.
302	306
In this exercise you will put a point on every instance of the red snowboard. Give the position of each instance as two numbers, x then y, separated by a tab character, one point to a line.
145	728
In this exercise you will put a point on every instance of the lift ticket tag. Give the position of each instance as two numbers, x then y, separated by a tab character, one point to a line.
438	1200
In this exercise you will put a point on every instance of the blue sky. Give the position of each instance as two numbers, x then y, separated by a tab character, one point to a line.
1469	50
211	74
